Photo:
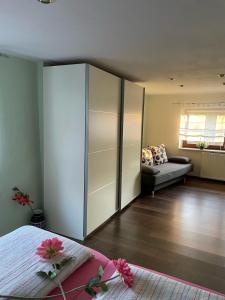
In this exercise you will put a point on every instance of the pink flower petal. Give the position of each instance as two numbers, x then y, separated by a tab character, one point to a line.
125	271
50	248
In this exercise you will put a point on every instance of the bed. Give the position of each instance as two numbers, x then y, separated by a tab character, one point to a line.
148	284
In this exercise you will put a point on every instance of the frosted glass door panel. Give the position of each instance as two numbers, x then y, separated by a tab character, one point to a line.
104	91
131	143
131	129
101	204
102	168
103	130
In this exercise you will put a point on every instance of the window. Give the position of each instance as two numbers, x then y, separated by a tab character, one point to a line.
207	127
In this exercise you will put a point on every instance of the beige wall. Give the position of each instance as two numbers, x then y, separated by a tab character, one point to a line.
161	122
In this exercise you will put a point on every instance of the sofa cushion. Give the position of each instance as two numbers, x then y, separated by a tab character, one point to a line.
149	170
159	154
147	157
170	171
179	159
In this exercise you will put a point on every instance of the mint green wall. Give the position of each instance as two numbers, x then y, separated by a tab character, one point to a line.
40	121
19	139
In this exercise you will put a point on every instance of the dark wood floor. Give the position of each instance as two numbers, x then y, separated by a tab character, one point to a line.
180	232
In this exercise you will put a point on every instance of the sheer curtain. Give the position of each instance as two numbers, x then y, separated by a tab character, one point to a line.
202	124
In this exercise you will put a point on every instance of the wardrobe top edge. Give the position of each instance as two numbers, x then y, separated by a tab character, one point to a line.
65	65
87	65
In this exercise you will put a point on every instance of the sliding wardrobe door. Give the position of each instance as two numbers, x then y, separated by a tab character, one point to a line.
104	105
133	96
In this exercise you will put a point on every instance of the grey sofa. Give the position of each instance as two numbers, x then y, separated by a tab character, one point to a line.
160	176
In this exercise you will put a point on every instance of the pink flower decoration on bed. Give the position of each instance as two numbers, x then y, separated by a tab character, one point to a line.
50	248
124	270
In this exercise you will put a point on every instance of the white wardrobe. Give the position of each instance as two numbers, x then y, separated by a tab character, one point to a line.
131	142
81	124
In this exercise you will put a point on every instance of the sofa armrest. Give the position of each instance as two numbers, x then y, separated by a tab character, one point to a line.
149	170
180	159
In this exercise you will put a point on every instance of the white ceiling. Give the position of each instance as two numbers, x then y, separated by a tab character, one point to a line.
144	40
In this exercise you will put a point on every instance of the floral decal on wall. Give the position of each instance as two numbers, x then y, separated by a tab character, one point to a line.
22	198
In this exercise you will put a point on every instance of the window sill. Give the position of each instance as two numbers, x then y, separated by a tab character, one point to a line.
205	150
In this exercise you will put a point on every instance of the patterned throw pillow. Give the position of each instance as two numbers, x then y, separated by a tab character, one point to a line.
159	154
147	157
